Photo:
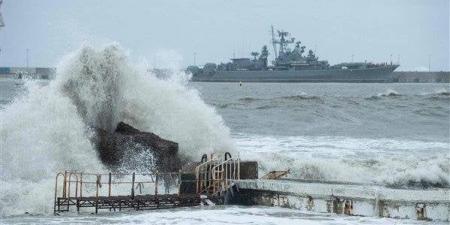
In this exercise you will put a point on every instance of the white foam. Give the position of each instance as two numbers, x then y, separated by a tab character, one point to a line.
362	160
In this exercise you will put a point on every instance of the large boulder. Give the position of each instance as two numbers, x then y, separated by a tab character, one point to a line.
130	148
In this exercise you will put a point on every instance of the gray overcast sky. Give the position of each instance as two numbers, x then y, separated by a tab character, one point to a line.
215	29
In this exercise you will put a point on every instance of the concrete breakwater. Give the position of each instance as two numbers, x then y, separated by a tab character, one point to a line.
348	199
28	72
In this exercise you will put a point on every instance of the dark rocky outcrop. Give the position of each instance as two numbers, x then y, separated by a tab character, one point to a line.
130	148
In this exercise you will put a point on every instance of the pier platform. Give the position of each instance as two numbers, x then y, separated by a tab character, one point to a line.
140	202
206	185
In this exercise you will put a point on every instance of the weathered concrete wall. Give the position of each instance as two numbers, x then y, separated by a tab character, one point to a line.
350	199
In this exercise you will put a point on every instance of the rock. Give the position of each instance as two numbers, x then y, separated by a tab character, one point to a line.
130	148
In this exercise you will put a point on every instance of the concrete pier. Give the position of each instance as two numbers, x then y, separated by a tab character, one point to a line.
350	199
226	180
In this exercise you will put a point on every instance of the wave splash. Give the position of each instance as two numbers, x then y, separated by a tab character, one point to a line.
48	128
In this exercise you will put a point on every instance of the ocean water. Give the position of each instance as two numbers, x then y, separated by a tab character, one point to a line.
388	134
394	135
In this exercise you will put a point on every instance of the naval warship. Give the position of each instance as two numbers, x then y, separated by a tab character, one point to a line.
290	65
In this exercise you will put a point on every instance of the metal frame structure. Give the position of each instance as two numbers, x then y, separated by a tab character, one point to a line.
80	190
216	175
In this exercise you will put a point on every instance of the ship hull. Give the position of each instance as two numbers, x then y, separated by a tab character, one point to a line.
371	75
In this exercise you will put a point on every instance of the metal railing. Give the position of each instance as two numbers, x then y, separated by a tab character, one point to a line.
216	175
79	185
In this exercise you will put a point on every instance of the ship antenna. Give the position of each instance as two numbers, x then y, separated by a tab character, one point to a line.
274	43
429	62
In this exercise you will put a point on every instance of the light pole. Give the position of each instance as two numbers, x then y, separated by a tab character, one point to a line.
28	50
429	63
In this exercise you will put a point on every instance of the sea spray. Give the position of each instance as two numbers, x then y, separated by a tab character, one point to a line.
41	134
114	91
49	128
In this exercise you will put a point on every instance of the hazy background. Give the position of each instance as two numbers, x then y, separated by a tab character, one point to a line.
216	30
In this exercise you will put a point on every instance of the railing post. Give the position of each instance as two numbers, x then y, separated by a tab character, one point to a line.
96	193
132	185
64	184
76	187
56	193
226	174
156	184
234	169
97	184
68	189
179	181
109	185
197	178
205	176
81	186
239	169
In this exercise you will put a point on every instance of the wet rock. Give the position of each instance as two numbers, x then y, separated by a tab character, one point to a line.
130	148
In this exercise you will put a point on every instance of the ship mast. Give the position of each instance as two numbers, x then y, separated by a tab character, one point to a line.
274	43
2	24
283	40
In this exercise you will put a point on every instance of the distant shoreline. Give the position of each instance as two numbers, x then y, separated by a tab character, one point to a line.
397	76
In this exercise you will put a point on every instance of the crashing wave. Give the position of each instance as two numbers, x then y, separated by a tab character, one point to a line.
48	128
